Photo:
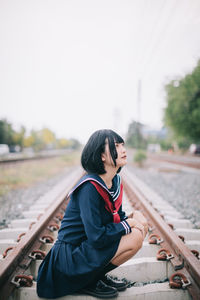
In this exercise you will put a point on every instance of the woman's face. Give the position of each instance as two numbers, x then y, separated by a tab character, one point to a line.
121	155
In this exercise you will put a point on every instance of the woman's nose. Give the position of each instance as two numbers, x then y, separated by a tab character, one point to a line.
123	149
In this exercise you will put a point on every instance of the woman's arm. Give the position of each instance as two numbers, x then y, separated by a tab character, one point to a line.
135	220
122	214
98	235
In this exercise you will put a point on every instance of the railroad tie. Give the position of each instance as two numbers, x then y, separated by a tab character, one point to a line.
150	275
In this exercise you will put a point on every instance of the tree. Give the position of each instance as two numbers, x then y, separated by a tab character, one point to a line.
182	114
6	133
36	140
29	141
74	144
42	139
48	138
134	136
139	157
18	137
63	143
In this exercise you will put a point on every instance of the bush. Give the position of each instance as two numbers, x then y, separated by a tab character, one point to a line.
140	157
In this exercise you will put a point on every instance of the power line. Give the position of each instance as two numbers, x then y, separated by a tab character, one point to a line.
151	34
158	40
174	25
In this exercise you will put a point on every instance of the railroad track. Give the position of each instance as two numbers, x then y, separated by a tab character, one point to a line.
188	162
164	268
20	158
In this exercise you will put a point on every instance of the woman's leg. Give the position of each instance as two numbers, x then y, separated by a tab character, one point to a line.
128	247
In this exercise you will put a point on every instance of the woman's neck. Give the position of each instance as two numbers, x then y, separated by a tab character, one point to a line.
108	177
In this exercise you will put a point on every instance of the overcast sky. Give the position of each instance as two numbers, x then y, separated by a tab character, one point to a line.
74	65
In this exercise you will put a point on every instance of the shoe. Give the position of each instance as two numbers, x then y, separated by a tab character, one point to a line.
100	290
116	283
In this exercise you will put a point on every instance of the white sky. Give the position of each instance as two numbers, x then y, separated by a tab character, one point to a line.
74	65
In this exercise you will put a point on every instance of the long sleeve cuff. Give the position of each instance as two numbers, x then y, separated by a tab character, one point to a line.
126	227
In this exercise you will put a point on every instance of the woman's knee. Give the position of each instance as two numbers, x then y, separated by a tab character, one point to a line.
134	244
136	241
133	241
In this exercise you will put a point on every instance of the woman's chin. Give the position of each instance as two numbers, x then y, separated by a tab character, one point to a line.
122	164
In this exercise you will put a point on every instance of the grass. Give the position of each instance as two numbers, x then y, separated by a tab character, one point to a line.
25	174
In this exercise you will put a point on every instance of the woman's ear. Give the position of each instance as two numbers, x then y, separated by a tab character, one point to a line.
103	157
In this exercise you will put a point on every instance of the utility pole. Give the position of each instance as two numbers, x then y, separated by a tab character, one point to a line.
117	119
139	99
138	113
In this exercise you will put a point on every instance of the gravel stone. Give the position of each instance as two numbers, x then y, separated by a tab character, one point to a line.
16	201
178	188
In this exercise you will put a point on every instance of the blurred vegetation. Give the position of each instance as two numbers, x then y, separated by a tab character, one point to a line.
138	139
182	114
38	140
6	132
26	174
181	117
134	137
139	157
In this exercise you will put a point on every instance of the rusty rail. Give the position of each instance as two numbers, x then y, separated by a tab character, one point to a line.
184	259
187	163
17	261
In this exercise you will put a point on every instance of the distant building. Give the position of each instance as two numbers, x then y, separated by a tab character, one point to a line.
4	149
150	132
153	148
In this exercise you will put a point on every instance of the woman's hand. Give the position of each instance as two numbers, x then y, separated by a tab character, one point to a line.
139	217
134	224
131	215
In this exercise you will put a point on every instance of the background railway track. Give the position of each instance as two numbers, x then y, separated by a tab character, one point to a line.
187	161
38	231
20	157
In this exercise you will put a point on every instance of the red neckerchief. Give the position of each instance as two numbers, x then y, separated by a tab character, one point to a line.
112	207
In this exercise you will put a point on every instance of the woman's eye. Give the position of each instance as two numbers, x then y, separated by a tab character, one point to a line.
117	144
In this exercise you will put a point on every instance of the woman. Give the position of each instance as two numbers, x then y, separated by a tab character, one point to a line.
95	236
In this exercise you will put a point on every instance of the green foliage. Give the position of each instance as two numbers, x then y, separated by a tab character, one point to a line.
19	136
62	143
183	142
74	144
134	136
166	144
10	136
182	113
38	140
6	133
140	157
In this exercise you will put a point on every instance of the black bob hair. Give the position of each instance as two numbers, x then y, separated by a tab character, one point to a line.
91	155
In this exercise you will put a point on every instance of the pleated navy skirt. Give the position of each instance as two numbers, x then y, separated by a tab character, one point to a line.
68	268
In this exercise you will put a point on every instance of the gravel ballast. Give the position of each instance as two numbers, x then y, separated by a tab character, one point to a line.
16	201
180	189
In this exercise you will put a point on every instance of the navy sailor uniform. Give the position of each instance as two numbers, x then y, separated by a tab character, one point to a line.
87	240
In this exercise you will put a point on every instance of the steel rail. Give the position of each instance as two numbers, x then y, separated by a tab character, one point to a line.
183	258
25	159
15	260
174	160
